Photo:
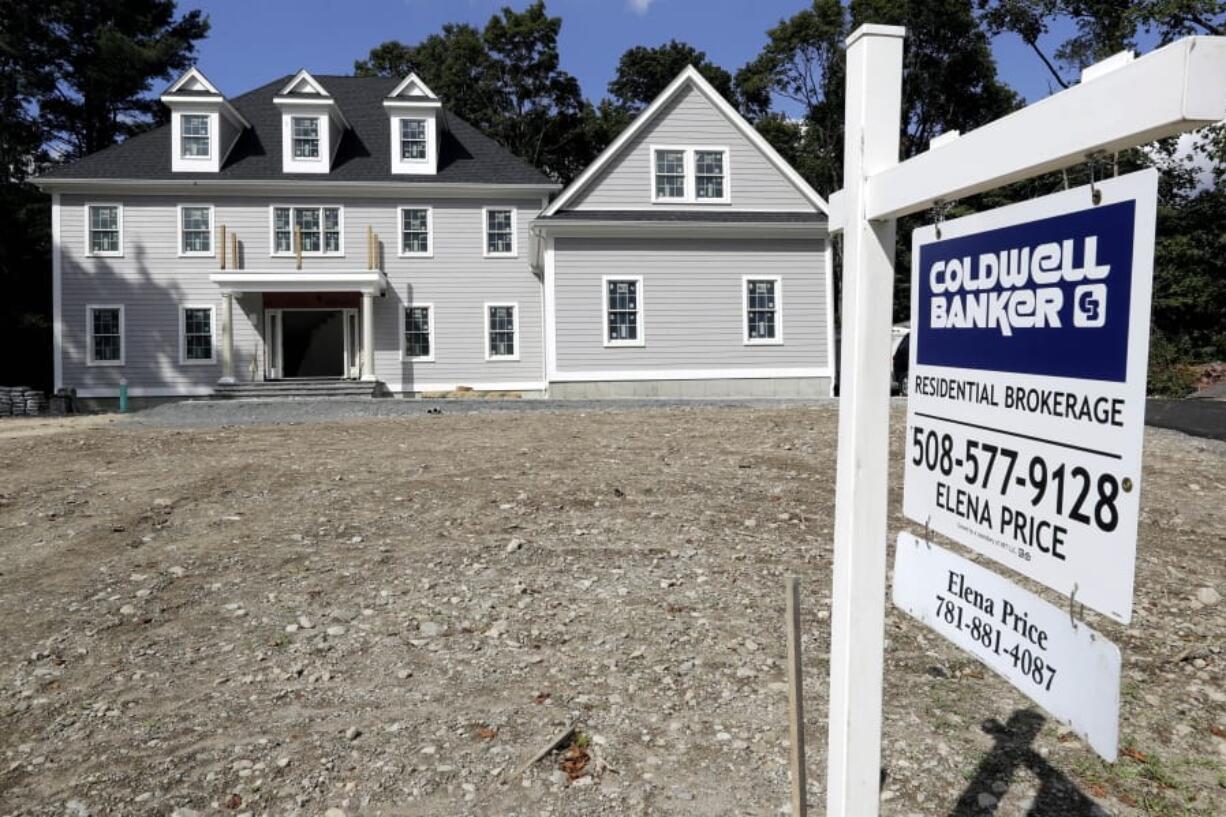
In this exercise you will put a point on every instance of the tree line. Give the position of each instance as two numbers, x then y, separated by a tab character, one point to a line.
79	75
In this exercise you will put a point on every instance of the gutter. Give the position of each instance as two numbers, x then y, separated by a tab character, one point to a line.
390	189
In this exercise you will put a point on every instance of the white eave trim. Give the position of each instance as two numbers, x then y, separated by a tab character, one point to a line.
680	229
191	73
689	75
304	75
412	79
389	189
373	282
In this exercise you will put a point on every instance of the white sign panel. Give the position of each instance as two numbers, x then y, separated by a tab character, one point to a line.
1026	412
1063	666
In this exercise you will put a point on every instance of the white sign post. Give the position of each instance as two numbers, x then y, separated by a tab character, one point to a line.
1179	87
1026	412
1060	664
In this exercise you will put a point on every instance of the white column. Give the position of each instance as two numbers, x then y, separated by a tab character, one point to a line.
227	337
368	336
873	111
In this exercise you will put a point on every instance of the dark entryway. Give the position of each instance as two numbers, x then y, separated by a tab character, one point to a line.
313	343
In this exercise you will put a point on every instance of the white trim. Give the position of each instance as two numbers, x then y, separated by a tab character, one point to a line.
207	117
89	336
372	281
272	231
412	78
147	391
690	172
831	362
429	253
509	385
304	76
753	373
405	358
191	73
688	75
294	187
212	253
640	316
710	230
515	338
777	340
551	323
485	233
57	295
89	253
319	137
212	359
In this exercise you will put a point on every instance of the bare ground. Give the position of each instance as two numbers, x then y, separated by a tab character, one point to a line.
392	616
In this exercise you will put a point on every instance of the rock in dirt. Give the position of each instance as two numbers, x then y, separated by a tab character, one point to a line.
1208	596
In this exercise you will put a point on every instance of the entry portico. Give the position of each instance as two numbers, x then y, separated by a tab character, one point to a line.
279	286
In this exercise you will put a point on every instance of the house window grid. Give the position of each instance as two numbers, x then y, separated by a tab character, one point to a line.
670	175
418	333
196	229
690	174
501	332
416	231
413	140
322	229
623	310
709	174
195	139
499	232
104	329
104	229
305	133
197	341
763	310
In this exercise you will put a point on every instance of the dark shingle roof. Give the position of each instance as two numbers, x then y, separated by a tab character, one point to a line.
465	154
691	216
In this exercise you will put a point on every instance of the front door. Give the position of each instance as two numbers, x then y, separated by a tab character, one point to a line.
306	343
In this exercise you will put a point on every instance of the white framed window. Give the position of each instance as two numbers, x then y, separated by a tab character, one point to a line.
194	138
623	310
197	341
196	229
502	331
104	344
417	330
104	229
499	225
416	231
690	174
322	230
763	309
413	140
305	136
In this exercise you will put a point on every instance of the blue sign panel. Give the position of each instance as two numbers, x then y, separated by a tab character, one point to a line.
1047	297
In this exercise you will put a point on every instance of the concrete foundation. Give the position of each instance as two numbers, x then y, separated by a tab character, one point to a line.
801	387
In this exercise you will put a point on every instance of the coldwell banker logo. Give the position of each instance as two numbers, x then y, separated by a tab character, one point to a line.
1046	297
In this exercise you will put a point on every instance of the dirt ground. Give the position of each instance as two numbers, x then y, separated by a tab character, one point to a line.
393	616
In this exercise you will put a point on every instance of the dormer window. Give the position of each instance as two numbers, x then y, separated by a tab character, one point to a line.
306	137
194	134
413	140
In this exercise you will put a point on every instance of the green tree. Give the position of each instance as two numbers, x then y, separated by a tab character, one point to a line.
643	72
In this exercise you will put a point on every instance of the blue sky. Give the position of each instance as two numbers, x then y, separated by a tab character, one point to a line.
258	40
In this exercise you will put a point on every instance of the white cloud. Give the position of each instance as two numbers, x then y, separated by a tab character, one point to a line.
639	6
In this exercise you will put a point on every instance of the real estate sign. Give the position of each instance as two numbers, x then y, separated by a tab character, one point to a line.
1030	333
1062	665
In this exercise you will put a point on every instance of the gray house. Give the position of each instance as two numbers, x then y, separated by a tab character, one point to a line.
325	233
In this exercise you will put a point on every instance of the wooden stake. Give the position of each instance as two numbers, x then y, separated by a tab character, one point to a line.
796	706
234	250
298	245
222	232
370	255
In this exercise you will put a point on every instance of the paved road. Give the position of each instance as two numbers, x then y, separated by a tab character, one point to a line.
1200	418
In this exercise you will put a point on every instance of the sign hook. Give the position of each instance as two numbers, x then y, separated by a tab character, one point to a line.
939	208
1096	159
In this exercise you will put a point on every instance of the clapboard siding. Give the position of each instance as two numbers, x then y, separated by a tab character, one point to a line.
690	119
692	307
152	281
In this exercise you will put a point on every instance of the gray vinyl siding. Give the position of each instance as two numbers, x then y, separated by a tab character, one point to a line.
152	282
692	306
691	120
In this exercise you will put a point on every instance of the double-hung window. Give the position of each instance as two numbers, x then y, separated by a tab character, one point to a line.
415	231
419	332
319	229
105	229
763	318
502	332
196	329
104	335
413	140
623	307
499	231
689	175
194	136
306	137
196	229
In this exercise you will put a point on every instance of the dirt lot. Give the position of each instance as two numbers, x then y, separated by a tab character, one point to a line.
392	616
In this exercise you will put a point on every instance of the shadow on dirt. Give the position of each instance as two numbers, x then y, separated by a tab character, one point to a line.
1057	796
